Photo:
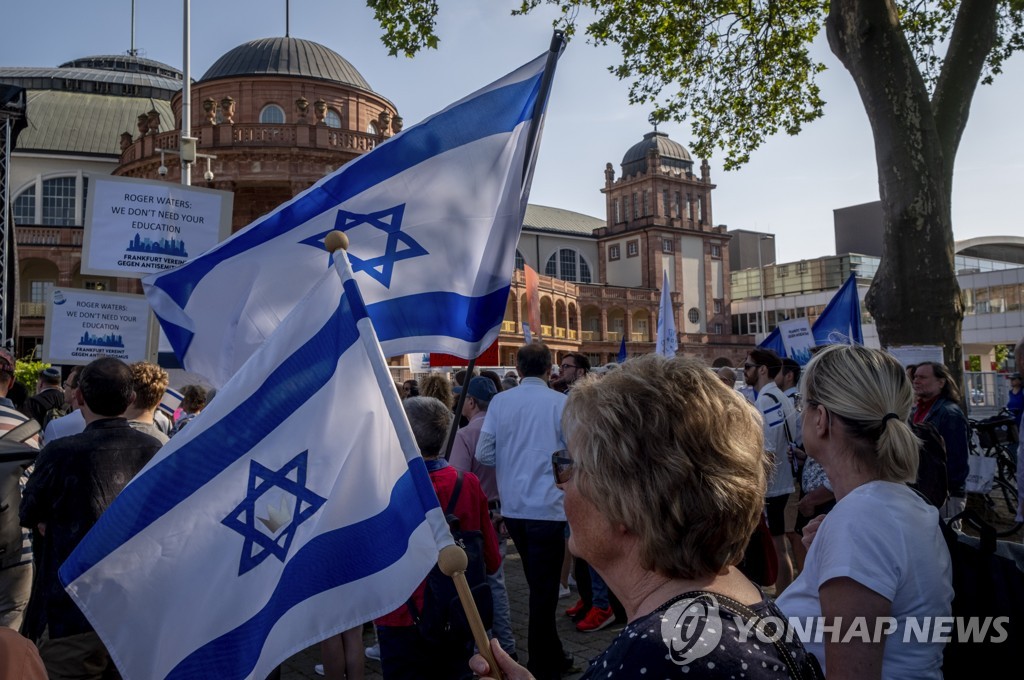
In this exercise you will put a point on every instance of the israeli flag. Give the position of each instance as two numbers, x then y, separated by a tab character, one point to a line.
433	216
284	513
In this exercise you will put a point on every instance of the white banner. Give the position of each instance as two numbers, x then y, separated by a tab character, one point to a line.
797	338
84	324
136	227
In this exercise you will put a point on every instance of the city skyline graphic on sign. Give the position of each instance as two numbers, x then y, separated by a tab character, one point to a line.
108	340
164	246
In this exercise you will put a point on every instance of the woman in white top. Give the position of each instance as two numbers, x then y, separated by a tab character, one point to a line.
877	569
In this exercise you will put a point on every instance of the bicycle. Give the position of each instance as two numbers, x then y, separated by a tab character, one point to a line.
997	437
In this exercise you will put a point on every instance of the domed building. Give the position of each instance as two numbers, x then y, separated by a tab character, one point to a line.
278	114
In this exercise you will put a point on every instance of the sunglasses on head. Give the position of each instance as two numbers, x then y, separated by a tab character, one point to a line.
561	466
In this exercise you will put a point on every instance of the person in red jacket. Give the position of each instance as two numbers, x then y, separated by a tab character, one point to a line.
404	653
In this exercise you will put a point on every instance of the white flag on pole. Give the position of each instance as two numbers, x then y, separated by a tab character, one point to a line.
667	341
433	216
287	511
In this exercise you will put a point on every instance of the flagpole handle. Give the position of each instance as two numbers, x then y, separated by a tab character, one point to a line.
452	561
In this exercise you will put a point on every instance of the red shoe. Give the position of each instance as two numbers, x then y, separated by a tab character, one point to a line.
596	619
575	609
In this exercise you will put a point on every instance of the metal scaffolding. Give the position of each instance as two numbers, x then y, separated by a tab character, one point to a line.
12	120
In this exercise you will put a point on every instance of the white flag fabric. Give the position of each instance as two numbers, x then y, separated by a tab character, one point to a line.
433	216
667	341
284	513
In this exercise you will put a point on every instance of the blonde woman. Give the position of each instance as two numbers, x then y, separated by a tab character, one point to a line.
664	480
878	556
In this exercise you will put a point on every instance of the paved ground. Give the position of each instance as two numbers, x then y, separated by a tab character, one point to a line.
583	645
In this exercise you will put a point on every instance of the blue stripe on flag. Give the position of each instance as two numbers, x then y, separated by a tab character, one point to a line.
427	314
491	113
419	315
180	338
196	463
326	561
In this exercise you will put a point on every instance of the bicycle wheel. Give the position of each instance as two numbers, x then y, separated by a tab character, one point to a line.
1004	496
1007	465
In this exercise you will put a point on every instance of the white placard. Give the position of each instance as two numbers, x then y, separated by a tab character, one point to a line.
84	324
797	338
911	355
137	227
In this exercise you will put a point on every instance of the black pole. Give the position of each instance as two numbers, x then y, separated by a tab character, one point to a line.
458	409
557	45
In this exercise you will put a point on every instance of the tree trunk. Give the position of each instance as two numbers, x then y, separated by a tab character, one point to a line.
914	298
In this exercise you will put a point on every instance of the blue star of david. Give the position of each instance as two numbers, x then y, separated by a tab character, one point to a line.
390	222
258	545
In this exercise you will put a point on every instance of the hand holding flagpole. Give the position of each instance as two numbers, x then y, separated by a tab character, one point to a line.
452	559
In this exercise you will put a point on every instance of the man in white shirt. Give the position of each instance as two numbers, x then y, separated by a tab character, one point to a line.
759	371
522	429
787	380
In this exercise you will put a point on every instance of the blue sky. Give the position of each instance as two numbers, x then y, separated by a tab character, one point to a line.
790	187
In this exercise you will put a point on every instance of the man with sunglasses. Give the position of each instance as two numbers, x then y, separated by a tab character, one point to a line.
573	367
521	429
759	371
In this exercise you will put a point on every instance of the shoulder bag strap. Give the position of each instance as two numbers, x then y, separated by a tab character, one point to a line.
775	636
450	509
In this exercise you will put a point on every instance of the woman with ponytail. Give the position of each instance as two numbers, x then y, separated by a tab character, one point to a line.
878	560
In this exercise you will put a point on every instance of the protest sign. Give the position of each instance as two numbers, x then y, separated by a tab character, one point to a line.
797	338
136	227
84	324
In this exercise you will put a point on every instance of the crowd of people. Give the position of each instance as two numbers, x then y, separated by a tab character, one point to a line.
94	428
661	473
650	478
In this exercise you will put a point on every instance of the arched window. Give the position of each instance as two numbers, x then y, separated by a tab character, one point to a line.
332	119
371	128
568	265
59	202
272	114
520	260
25	206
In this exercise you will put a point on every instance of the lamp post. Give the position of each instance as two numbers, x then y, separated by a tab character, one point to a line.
760	273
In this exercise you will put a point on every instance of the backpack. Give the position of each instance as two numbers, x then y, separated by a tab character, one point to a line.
931	467
442	618
54	413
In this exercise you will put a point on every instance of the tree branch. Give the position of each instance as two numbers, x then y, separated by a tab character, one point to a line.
973	37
